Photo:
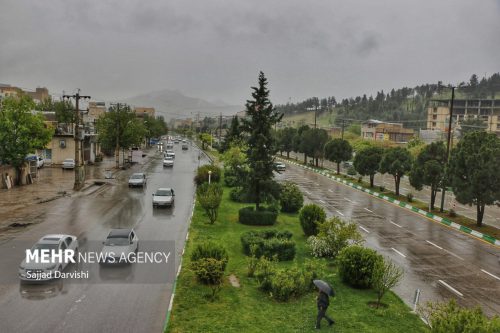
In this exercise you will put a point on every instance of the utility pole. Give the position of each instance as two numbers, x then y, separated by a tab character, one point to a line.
441	209
315	114
220	128
79	167
343	122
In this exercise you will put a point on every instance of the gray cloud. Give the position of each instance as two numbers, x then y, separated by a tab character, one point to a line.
214	49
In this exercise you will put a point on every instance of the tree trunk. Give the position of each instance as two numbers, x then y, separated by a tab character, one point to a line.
257	195
397	179
17	179
338	168
433	197
317	162
305	159
371	180
287	154
480	214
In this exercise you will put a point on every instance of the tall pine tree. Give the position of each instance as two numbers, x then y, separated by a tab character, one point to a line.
260	119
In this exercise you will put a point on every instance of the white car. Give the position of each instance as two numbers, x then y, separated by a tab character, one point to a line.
168	161
68	163
119	246
137	179
163	197
169	153
36	270
280	166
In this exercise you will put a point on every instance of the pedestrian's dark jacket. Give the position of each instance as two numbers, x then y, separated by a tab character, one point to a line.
323	300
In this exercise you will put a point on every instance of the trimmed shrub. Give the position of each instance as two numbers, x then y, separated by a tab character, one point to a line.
210	196
291	198
269	244
209	250
210	272
263	216
202	174
356	265
309	216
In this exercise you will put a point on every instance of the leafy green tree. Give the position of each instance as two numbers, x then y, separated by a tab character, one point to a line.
338	150
65	112
297	141
205	139
396	162
261	117
235	165
473	171
386	275
428	169
21	132
367	162
313	143
234	135
119	128
155	127
470	125
310	217
210	196
286	140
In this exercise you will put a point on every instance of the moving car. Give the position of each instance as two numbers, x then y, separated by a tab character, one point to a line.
170	153
43	271
137	179
185	146
168	161
280	166
118	246
163	197
68	163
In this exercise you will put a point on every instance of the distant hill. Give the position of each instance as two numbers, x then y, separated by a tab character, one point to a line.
174	104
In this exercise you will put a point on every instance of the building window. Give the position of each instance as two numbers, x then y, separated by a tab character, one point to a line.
435	110
62	143
433	124
434	117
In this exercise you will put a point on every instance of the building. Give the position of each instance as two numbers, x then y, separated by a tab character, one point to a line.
487	110
383	131
140	112
39	95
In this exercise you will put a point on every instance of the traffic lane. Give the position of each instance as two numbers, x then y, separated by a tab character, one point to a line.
120	307
408	238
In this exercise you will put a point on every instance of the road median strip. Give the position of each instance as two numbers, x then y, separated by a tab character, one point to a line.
487	238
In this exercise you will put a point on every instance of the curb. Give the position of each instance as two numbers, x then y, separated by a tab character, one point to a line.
442	220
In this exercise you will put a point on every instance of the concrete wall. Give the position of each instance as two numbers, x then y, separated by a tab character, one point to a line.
59	154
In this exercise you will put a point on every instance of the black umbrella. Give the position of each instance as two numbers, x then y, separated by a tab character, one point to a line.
324	287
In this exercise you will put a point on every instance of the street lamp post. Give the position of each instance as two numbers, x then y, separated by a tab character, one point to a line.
441	209
209	176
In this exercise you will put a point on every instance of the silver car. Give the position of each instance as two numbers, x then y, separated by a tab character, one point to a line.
36	269
119	246
168	161
163	197
169	153
137	179
68	163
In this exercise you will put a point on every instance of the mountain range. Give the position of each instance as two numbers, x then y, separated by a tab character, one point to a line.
174	104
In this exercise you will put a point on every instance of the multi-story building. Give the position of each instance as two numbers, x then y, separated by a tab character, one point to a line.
383	131
487	110
142	111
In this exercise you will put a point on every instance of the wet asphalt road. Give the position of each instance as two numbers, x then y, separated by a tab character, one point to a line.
440	261
99	304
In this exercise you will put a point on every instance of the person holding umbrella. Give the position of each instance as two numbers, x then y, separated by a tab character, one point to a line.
323	301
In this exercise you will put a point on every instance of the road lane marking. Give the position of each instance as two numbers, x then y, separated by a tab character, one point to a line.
402	255
364	229
453	254
340	213
317	184
330	190
349	200
371	211
492	275
307	192
321	201
439	247
397	225
451	288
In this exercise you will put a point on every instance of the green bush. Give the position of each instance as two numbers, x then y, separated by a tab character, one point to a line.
449	317
210	196
291	198
202	174
409	197
309	216
263	216
210	272
333	235
231	178
269	243
209	250
356	264
351	171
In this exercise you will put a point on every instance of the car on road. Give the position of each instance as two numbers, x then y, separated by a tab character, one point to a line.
68	163
163	197
119	246
137	179
280	166
36	270
168	161
169	146
348	164
185	146
170	153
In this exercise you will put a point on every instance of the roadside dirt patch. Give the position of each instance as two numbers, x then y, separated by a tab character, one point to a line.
235	282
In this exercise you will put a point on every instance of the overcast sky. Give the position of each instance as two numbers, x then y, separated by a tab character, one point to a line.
214	49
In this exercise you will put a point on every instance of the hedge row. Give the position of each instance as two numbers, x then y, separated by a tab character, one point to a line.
263	216
269	243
